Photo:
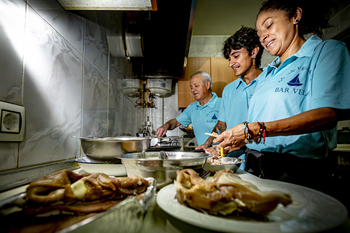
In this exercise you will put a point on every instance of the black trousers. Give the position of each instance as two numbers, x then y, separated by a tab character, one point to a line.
313	173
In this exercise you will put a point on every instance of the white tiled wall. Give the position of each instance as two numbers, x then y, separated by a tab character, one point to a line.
57	65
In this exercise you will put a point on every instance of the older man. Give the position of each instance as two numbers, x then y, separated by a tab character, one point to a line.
203	114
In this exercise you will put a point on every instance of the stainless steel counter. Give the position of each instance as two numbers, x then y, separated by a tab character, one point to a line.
157	220
21	176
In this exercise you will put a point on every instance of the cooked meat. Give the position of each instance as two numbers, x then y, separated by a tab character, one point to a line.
225	193
68	187
80	207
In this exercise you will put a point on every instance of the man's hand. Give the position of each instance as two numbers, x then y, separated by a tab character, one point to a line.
201	147
170	125
161	131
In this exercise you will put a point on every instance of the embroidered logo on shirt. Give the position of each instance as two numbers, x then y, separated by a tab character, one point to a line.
295	81
214	117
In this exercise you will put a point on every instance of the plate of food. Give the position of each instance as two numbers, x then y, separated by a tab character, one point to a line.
294	209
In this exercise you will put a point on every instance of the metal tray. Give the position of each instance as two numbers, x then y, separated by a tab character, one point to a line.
127	216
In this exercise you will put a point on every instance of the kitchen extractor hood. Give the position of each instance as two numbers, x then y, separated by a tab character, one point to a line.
156	42
161	39
135	5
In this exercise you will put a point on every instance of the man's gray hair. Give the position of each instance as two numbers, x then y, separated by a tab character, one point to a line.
205	77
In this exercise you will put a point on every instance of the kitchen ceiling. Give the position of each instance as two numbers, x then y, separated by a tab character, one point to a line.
135	5
225	17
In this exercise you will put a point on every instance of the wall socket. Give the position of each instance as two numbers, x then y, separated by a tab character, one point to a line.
12	122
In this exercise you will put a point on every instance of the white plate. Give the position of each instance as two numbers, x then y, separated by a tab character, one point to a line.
311	211
106	168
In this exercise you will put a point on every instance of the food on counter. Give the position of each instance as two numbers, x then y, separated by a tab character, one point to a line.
68	187
225	193
216	160
61	199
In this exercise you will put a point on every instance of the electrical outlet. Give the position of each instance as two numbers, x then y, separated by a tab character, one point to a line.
12	122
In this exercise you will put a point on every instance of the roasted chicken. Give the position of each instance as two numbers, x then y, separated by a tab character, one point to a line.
225	193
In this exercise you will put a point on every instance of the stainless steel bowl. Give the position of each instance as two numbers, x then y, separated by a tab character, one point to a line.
109	147
162	165
229	163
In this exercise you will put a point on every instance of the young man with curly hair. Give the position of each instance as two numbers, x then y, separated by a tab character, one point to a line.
244	51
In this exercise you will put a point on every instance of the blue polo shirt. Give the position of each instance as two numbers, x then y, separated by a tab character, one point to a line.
203	118
317	76
234	106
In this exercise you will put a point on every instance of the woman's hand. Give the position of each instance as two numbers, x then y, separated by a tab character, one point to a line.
232	139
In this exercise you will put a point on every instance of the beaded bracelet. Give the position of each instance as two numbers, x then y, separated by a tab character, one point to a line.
261	134
246	133
264	131
258	140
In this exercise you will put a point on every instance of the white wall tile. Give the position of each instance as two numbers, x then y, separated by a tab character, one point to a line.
67	23
12	23
52	94
8	155
96	46
95	102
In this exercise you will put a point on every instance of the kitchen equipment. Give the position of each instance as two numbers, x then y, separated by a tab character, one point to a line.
229	163
159	87
189	142
147	129
171	143
111	169
130	87
133	42
106	149
162	166
144	5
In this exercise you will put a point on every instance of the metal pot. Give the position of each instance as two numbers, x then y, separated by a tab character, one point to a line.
109	147
228	163
162	166
171	143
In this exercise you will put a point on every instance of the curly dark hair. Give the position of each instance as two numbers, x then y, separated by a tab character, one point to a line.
315	15
244	38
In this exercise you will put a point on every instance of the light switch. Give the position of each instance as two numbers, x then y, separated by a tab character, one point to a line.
11	122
